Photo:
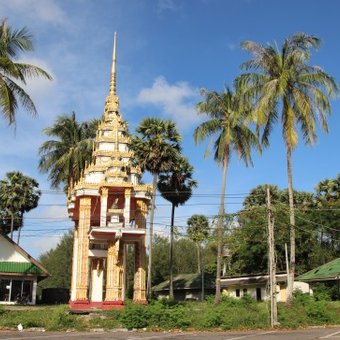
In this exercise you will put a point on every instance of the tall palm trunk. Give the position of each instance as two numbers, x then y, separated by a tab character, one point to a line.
198	257
220	230
12	224
171	257
292	227
152	212
19	232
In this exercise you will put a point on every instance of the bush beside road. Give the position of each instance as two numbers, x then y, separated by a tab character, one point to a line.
231	314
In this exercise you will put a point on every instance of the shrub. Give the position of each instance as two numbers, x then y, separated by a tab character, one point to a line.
213	319
134	316
62	319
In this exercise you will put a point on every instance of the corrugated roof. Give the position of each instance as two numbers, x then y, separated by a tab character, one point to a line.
327	272
187	281
20	268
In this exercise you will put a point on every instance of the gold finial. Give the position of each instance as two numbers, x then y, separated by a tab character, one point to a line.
113	69
112	101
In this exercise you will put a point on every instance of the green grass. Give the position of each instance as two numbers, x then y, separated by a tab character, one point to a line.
164	315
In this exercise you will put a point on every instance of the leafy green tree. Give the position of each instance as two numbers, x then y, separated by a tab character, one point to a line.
248	242
58	262
156	147
198	231
160	260
185	260
176	187
327	213
18	194
228	123
12	42
66	156
284	86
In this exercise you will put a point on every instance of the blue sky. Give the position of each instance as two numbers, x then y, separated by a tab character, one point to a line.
167	51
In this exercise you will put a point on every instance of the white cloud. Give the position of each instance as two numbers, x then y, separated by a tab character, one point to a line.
40	87
40	245
176	101
53	213
47	11
166	5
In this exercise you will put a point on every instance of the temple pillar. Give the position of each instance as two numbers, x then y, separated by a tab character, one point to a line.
114	273
74	264
141	212
127	207
83	249
103	206
139	287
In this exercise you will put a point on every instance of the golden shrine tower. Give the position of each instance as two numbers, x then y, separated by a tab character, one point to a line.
109	208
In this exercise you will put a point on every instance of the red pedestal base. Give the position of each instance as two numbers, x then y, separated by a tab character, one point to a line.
88	306
113	305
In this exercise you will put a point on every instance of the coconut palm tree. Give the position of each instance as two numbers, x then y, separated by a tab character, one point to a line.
228	124
12	42
285	87
176	187
155	146
65	157
18	194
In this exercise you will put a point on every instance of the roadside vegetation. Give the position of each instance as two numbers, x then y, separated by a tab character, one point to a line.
231	313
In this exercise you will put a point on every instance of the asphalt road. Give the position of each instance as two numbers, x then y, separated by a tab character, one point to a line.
331	333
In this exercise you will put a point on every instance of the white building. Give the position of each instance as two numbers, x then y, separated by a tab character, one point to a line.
256	287
19	273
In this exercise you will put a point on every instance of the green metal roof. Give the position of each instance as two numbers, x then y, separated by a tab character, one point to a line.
19	267
327	272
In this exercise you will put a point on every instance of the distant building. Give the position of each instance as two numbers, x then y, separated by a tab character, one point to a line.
186	287
256	287
19	273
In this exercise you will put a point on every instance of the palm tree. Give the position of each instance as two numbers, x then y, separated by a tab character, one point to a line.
176	187
198	231
18	194
65	157
12	42
155	147
228	123
284	86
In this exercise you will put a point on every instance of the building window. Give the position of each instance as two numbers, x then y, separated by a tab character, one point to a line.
258	294
16	290
245	291
237	292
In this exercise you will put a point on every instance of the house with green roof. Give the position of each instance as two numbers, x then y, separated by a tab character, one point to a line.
19	273
329	271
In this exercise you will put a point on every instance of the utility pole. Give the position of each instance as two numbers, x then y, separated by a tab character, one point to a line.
202	272
272	262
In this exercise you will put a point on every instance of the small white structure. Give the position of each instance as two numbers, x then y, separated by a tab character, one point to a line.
256	287
19	273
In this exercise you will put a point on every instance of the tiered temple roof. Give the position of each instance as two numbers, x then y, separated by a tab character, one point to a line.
112	160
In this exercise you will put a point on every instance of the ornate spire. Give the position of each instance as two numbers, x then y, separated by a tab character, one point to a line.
112	101
113	69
